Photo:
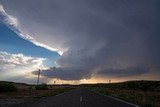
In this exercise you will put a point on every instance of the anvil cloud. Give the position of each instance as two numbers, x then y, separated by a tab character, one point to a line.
113	38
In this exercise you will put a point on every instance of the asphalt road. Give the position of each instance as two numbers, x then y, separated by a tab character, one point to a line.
77	98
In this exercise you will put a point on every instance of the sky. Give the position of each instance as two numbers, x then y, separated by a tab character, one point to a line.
79	41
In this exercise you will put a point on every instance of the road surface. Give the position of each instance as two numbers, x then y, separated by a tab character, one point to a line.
81	97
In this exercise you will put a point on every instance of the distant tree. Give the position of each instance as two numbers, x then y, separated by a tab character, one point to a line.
54	82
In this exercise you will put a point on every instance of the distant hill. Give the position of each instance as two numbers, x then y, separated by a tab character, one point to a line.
15	83
133	85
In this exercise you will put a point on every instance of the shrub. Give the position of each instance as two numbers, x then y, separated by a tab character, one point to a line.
7	87
41	87
30	88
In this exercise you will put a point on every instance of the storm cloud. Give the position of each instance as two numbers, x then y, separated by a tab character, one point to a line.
103	37
131	71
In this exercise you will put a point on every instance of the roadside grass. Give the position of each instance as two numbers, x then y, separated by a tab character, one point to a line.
7	87
30	94
53	91
145	94
144	99
41	87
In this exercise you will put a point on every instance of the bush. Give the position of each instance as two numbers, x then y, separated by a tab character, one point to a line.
7	87
41	87
30	88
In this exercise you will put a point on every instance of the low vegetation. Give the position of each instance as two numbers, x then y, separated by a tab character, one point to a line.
7	87
53	91
143	93
41	87
14	93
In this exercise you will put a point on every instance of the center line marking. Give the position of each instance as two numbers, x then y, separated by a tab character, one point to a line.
80	98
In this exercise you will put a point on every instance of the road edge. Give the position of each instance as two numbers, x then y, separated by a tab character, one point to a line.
65	92
117	99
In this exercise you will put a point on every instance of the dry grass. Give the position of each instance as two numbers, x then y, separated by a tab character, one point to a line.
144	99
142	93
23	95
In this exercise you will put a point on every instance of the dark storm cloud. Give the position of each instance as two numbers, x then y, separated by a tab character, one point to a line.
64	73
131	71
109	37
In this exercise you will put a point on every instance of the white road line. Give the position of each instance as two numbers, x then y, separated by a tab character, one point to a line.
63	93
117	99
80	98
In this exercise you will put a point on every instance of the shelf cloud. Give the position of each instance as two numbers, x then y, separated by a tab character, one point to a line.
112	38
